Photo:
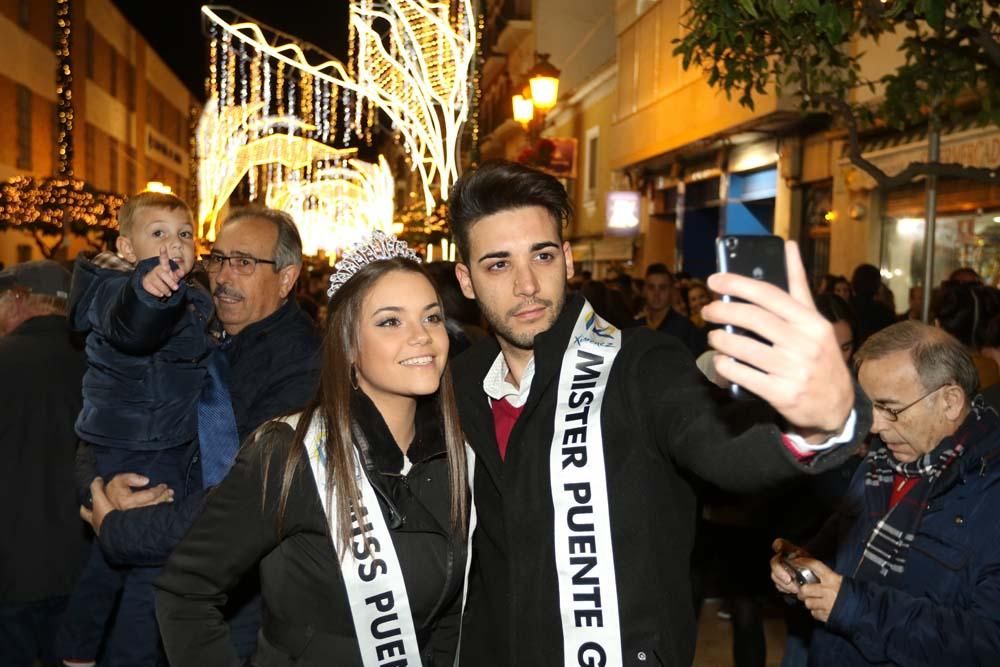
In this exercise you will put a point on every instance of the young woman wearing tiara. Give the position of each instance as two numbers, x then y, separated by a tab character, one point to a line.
356	509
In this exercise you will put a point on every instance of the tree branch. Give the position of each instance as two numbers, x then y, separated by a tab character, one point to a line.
913	170
984	38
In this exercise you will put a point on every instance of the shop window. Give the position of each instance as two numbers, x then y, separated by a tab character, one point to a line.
23	127
967	233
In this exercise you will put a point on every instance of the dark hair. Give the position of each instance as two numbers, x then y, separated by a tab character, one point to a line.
991	335
866	281
456	305
830	281
835	309
968	271
597	294
333	403
659	269
624	282
964	309
938	357
288	247
500	185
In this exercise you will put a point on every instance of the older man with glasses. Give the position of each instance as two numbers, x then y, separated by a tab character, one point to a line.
910	569
271	353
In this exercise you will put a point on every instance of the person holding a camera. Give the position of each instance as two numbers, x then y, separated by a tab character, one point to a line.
583	433
911	563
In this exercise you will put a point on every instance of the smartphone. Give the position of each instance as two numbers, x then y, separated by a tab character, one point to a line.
757	257
802	575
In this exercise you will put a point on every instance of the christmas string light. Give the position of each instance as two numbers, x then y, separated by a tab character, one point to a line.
227	152
55	205
64	88
340	205
417	73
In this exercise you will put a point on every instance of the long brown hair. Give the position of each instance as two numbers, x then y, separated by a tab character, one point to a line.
333	403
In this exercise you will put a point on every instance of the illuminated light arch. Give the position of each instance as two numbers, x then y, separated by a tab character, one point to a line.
417	73
340	206
227	154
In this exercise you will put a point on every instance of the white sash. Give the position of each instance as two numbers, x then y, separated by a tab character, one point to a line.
585	562
470	462
376	591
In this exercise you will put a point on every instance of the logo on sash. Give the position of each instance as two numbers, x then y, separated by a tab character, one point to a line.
585	565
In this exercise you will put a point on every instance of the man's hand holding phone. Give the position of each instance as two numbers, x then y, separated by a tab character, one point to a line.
801	373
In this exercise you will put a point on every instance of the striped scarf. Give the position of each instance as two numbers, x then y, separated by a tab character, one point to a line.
884	556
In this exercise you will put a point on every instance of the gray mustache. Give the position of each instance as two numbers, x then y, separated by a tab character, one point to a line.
224	290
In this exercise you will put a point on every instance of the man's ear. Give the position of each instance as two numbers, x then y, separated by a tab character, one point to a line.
465	280
286	279
125	249
954	402
568	255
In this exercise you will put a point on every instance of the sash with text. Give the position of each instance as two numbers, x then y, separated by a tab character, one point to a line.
585	563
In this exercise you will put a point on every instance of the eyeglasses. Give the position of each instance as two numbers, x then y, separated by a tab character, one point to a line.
244	265
892	414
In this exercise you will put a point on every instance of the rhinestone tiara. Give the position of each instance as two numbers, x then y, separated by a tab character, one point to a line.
379	246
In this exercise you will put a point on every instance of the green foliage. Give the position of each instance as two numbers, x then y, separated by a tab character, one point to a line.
810	48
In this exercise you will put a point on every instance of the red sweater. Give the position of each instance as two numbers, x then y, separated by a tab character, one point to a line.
504	417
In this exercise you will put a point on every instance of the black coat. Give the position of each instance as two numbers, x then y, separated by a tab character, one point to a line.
41	536
274	370
307	619
658	420
151	351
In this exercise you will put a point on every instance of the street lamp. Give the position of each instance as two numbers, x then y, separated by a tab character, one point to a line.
524	110
544	81
539	96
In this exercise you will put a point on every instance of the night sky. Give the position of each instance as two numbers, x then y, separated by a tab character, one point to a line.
176	33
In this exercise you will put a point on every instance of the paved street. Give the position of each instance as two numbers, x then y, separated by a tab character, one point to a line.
715	639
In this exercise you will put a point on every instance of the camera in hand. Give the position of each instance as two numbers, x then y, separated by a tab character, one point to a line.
803	575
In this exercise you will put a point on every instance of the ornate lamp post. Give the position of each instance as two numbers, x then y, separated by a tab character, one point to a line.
538	97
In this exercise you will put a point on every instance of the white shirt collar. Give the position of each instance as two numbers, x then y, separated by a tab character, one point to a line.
497	387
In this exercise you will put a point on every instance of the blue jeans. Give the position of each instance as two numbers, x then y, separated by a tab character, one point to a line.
27	632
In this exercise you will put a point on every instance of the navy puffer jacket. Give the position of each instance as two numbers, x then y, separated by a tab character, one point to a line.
145	357
945	611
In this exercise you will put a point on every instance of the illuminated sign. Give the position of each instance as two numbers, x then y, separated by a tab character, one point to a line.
622	213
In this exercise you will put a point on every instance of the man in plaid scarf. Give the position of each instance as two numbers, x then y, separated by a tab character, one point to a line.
912	561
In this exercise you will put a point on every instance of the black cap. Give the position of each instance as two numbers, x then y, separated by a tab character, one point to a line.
42	277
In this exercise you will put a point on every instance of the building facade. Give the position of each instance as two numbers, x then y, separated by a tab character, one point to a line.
132	113
579	38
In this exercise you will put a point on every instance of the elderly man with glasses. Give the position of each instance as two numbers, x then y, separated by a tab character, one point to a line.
272	357
911	564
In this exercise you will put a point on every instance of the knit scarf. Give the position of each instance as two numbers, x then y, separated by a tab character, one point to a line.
884	556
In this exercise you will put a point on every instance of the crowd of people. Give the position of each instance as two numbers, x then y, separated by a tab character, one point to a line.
496	462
